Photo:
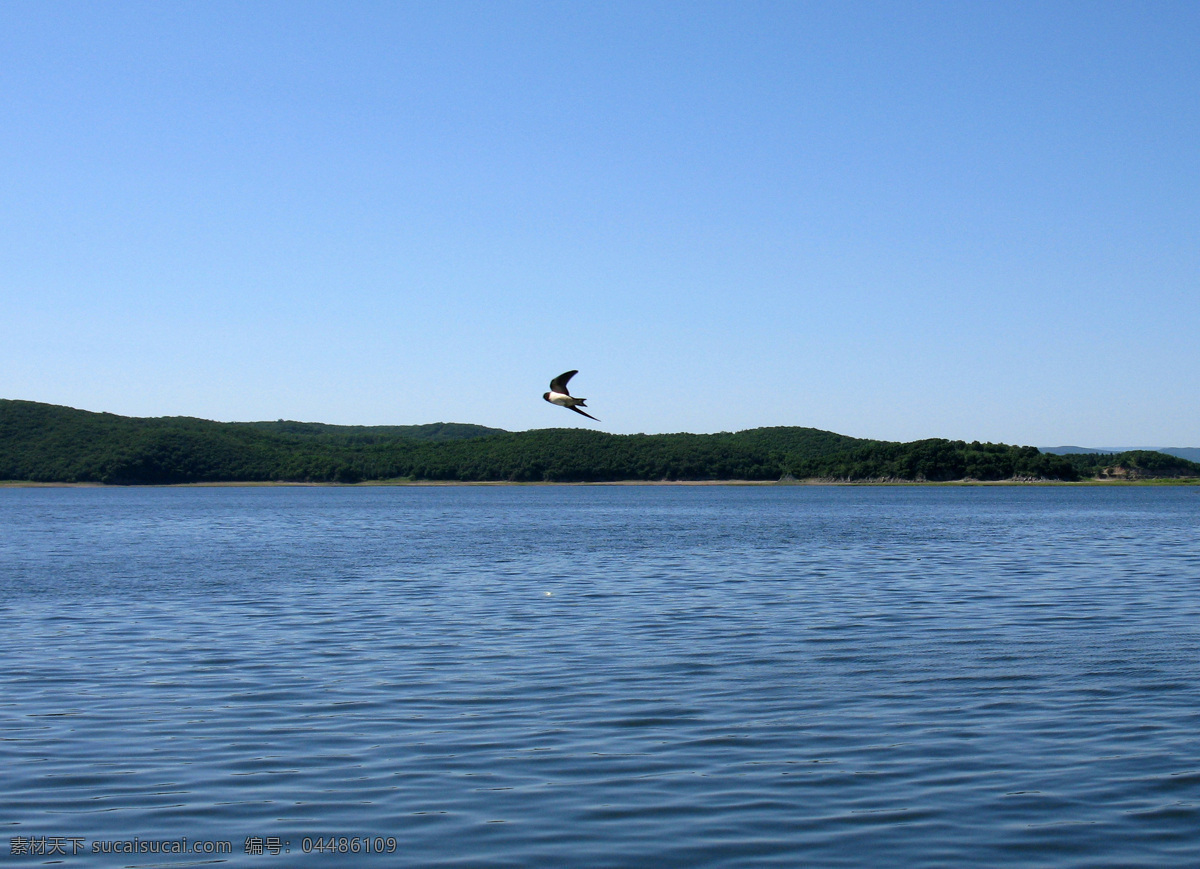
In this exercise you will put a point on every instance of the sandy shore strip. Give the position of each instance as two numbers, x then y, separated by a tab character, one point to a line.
24	484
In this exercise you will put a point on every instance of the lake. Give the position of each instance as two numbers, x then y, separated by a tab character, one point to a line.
600	676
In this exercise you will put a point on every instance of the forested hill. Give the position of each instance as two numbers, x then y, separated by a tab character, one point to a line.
433	431
47	443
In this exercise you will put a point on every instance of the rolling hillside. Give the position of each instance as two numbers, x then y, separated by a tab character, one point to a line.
52	444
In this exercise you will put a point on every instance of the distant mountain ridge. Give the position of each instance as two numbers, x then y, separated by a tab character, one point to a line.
1192	454
433	431
53	444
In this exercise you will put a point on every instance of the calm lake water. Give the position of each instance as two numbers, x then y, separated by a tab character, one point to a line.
602	676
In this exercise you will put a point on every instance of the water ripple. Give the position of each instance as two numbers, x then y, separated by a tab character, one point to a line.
713	677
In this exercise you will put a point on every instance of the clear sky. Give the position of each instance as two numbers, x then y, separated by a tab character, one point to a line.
889	220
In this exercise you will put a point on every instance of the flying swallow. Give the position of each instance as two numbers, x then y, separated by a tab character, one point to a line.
558	395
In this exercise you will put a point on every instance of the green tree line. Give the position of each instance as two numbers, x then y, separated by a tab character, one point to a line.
47	443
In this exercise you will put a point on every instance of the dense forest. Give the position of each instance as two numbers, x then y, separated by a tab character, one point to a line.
47	443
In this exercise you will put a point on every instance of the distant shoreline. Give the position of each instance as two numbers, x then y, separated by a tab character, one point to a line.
369	484
59	444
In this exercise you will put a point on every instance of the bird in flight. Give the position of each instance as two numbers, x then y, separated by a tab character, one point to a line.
558	395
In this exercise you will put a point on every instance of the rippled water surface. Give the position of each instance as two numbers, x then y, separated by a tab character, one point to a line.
603	676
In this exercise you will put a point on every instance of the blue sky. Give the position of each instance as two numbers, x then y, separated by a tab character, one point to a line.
890	220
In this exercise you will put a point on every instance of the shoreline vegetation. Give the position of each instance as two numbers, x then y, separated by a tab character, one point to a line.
443	484
50	445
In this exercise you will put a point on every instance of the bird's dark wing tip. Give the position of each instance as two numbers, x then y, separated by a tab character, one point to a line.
559	384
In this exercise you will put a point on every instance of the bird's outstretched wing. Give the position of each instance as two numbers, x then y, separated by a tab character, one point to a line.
585	413
559	384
